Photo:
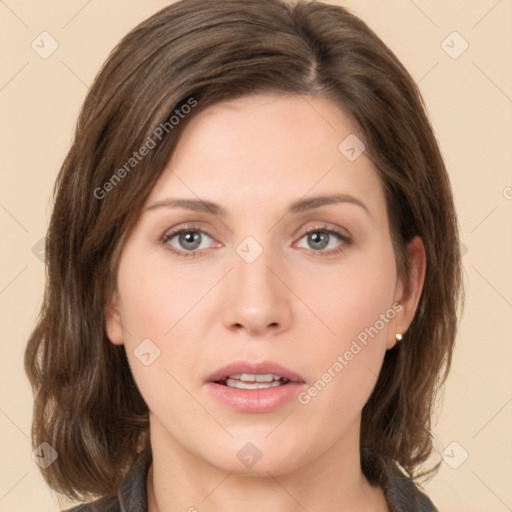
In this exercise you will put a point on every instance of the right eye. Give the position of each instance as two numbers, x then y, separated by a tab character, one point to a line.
188	241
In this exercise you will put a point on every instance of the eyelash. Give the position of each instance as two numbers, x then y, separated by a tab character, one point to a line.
345	241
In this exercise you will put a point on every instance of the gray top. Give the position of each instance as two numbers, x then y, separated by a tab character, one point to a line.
401	493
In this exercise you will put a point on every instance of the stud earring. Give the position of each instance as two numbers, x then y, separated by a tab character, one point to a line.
398	337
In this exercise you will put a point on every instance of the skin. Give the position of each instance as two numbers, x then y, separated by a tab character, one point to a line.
295	304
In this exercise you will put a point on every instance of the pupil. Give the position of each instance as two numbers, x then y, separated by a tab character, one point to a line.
190	237
318	239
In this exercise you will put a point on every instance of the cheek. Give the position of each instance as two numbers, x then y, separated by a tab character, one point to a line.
358	309
157	297
353	296
161	313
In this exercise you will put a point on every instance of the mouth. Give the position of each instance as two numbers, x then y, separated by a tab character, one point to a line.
254	375
254	387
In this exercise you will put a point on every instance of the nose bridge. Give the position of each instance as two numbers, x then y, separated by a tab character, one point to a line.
259	299
252	267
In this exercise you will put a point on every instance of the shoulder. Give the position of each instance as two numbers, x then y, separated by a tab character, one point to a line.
403	495
401	492
131	495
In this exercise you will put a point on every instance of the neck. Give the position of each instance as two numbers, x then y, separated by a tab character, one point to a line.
333	480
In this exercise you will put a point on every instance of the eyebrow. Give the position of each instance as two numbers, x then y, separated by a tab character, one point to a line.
296	207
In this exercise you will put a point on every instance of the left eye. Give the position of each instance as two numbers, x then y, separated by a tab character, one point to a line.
319	239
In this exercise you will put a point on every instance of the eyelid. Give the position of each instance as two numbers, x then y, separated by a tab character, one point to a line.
327	226
189	226
327	229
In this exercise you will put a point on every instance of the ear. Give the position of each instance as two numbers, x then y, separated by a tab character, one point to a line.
113	324
408	296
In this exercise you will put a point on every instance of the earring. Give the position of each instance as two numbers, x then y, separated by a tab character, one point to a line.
398	337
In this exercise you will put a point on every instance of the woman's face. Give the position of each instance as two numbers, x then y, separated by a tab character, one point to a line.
229	282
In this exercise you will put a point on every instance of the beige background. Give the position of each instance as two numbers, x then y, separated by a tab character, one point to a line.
469	99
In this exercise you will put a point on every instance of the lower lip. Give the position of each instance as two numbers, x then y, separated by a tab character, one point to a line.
255	400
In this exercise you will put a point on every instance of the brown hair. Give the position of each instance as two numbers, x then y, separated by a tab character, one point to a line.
197	53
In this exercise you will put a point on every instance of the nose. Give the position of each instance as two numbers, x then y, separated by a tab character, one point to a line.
258	300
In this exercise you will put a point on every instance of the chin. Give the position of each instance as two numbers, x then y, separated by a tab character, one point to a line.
275	466
254	456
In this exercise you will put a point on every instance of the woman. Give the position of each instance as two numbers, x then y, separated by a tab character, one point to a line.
253	271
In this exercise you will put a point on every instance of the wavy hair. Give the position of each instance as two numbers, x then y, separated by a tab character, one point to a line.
201	52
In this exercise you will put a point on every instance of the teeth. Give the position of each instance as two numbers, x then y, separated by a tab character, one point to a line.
240	384
249	377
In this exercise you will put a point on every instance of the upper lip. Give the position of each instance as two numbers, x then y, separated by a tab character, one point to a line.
255	368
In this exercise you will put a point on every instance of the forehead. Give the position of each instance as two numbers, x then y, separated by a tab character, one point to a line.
268	149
